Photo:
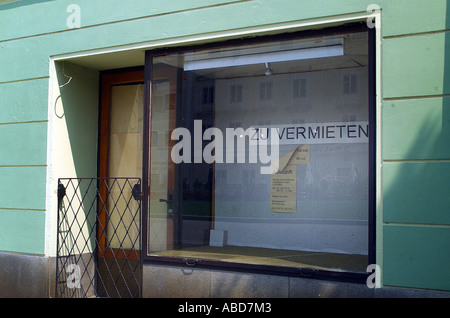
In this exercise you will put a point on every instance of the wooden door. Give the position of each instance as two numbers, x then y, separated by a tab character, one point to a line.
120	171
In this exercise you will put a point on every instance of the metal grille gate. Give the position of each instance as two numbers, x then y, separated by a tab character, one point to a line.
99	238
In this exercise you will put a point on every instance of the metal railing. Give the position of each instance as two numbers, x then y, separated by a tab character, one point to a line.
99	238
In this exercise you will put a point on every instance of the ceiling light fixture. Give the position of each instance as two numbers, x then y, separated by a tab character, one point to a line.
268	70
330	48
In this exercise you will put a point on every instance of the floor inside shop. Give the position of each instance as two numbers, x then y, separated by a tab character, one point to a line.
275	257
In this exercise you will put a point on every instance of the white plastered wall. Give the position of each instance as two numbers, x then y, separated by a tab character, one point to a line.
72	137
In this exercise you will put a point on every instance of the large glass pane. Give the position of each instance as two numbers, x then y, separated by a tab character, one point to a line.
160	201
268	146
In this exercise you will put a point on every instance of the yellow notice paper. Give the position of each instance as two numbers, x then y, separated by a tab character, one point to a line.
283	183
283	190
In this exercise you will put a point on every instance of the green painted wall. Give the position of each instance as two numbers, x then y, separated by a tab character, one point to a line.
413	233
416	148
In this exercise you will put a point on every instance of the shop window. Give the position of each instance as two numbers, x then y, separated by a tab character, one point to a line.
261	184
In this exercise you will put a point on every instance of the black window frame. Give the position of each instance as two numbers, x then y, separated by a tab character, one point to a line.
346	276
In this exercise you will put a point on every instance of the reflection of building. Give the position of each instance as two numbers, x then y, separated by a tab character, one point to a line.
52	126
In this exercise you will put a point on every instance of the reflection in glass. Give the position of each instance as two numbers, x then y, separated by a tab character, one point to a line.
227	210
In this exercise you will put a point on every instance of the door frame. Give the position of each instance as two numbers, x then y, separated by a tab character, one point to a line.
149	75
107	80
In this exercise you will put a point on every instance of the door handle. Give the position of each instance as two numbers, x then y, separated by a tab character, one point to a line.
169	206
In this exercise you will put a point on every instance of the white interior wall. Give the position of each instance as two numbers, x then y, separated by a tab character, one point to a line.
332	206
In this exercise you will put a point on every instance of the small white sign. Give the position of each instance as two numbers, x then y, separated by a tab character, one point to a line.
315	133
